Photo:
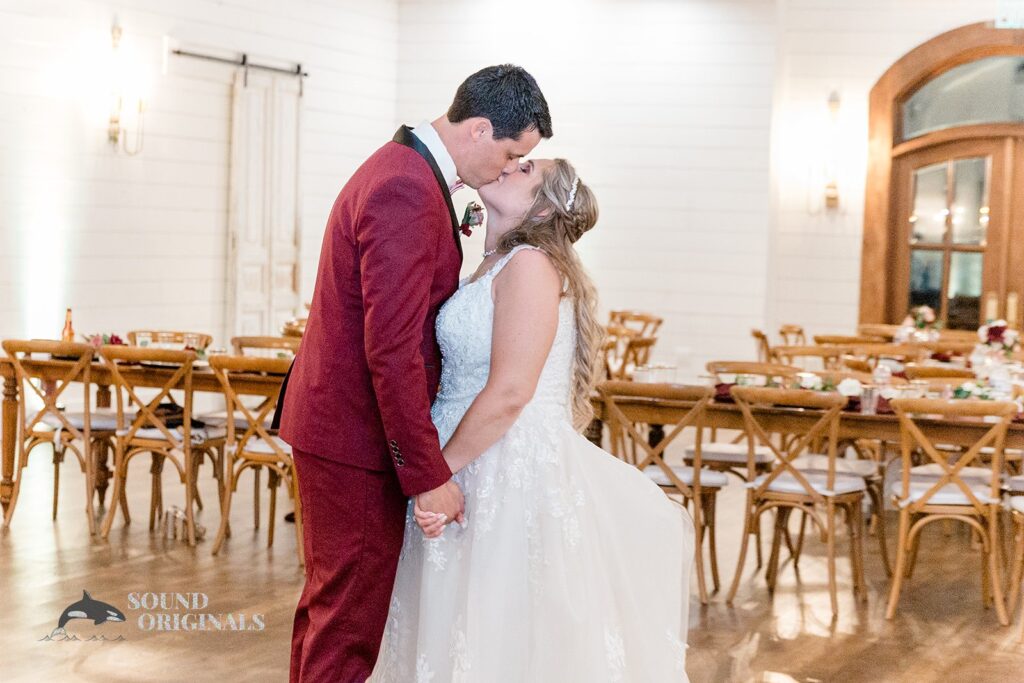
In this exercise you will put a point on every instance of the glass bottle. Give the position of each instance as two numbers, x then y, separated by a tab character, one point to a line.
68	335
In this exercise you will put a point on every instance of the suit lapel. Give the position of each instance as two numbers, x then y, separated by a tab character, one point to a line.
404	136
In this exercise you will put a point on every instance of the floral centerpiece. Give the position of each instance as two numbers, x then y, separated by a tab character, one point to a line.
975	390
98	340
990	391
997	336
921	324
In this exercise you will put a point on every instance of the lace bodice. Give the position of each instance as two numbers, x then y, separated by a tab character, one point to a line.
464	334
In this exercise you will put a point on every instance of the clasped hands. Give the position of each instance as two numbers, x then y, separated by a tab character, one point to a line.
439	507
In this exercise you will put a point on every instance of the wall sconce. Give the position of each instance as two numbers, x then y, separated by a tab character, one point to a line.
832	146
125	106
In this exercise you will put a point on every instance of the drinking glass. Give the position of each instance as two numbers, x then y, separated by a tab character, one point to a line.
869	400
664	374
642	374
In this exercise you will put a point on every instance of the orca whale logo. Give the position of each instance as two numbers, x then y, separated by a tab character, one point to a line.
87	608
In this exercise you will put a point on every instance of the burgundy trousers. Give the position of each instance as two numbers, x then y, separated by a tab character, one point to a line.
353	524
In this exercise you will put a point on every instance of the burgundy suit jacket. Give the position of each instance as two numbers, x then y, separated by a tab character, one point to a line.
369	366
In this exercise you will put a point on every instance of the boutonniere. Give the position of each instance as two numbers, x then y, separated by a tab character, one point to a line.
473	217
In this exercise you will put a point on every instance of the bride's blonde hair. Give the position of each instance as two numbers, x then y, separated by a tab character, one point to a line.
554	228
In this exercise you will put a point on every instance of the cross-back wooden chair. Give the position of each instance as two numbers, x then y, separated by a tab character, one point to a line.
873	353
51	425
967	490
809	357
174	336
629	408
255	446
871	464
1015	504
273	347
757	372
637	352
730	457
793	335
614	349
886	332
763	345
918	371
787	487
644	324
854	364
146	431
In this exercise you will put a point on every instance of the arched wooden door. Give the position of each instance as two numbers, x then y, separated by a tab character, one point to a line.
944	209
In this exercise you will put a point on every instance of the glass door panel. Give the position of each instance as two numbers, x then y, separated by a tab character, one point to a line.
926	278
947	236
963	295
928	220
970	200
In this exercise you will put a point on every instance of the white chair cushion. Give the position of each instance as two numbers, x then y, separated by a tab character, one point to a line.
102	419
787	483
1015	484
708	478
950	494
198	435
1016	503
260	445
819	463
729	452
934	470
220	419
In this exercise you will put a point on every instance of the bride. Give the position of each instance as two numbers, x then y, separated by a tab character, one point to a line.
569	565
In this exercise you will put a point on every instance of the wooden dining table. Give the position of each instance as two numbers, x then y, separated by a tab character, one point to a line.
852	425
203	380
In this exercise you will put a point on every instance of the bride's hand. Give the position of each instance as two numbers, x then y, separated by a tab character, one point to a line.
430	523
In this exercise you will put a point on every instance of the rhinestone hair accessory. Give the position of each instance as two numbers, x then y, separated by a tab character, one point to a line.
572	194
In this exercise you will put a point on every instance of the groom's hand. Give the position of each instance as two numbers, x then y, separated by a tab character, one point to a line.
434	509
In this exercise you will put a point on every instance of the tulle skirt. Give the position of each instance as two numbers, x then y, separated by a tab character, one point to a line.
572	566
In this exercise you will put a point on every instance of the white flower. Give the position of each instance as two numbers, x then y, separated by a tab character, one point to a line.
1010	337
970	387
850	387
808	380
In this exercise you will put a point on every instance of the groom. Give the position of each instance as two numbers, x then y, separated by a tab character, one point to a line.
356	404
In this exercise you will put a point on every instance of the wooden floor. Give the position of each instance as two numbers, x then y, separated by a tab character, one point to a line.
941	632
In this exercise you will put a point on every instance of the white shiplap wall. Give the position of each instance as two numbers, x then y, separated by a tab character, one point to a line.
141	241
698	122
665	108
826	45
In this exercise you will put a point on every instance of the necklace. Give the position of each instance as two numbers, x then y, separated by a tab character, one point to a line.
490	252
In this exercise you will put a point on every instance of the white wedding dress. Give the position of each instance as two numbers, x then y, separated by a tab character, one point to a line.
573	566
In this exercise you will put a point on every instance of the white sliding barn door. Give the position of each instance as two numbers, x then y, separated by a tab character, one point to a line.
263	211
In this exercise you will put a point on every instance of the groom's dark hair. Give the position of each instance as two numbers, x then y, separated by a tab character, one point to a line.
508	97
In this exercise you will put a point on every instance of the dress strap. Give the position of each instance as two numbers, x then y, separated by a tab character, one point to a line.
503	261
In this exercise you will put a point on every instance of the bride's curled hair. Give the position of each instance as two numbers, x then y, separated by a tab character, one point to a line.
553	227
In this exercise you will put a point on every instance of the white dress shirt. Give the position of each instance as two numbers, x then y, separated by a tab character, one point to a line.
429	137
